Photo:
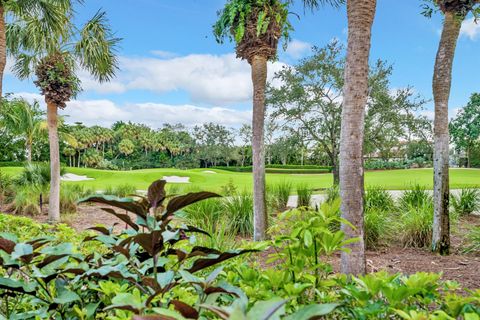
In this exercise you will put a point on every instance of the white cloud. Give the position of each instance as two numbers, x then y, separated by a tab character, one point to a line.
212	79
163	54
470	29
297	48
105	113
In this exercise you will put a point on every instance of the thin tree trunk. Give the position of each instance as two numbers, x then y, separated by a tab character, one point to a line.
259	79
360	19
54	199
29	151
3	48
335	171
442	79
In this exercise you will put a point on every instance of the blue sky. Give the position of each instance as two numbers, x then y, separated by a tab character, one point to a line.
172	70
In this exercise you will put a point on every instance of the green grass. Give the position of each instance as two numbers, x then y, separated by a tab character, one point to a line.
391	179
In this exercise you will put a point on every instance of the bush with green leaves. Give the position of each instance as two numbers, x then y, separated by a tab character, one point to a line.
465	203
145	269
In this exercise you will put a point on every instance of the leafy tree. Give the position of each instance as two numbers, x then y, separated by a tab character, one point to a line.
256	26
25	120
126	147
214	143
245	134
465	127
54	60
454	12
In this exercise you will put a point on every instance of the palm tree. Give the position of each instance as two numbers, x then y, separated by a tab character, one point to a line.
54	61
256	26
36	17
24	120
360	15
454	12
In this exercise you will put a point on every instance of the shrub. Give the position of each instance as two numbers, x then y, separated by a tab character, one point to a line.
385	165
414	225
238	210
280	194
229	189
204	213
416	196
304	194
467	202
378	199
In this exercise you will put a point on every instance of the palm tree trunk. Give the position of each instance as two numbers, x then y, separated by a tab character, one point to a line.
442	79
54	199
3	47
259	79
360	19
29	151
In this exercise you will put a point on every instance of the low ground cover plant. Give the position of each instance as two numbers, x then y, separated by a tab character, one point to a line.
156	270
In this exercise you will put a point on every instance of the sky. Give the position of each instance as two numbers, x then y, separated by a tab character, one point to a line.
173	71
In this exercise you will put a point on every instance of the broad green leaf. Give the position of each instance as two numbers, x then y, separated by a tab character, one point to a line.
313	311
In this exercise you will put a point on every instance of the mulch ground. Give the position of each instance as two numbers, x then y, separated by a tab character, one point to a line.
458	266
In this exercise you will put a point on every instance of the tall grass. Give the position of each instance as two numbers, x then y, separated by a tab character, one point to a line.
238	210
121	191
204	213
417	196
280	193
474	241
467	202
69	196
333	193
378	227
414	225
6	188
377	198
304	195
25	201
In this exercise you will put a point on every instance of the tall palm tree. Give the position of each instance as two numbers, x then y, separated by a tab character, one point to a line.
360	14
24	120
54	61
454	12
26	16
256	26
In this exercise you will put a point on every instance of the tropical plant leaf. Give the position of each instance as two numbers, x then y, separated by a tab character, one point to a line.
17	286
185	310
124	217
313	311
207	262
127	204
180	202
7	245
156	193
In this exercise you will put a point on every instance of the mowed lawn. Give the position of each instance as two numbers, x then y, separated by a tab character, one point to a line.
201	180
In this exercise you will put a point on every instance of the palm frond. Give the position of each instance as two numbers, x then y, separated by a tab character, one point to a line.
96	48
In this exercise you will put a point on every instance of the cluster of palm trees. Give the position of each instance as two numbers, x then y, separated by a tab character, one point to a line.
256	27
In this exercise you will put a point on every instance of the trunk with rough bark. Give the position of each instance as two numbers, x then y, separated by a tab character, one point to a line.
54	199
360	19
3	47
259	79
335	171
442	79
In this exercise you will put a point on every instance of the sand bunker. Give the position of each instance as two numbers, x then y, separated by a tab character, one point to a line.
208	171
74	177
176	179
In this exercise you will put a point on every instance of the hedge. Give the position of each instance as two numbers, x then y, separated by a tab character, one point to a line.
289	169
